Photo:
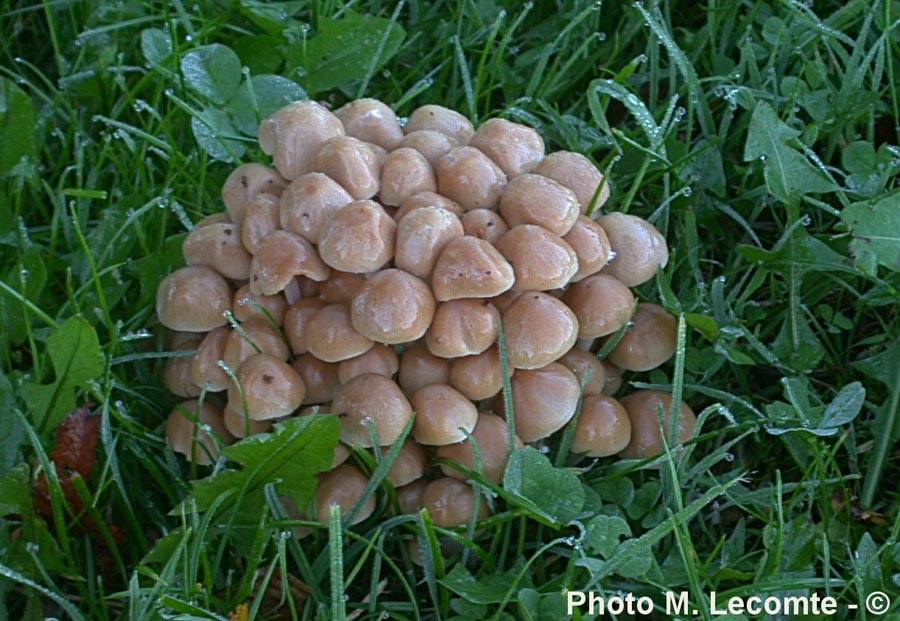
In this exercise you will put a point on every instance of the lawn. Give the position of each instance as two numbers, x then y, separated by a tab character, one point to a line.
760	137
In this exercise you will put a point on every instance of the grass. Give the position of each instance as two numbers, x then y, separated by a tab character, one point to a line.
750	133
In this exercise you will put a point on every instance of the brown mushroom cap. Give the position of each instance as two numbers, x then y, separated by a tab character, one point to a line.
218	246
241	426
491	433
427	199
541	260
177	371
244	183
430	143
343	486
309	202
544	400
330	335
371	121
578	362
371	399
505	299
539	329
648	342
281	256
533	199
646	440
294	134
515	148
381	360
442	413
359	238
393	307
602	304
484	224
603	427
409	497
441	119
480	376
221	217
262	334
451	503
640	249
406	172
419	367
296	318
469	177
577	173
591	246
470	267
341	287
191	440
422	234
247	305
193	299
354	164
260	220
271	388
319	377
463	327
409	465
205	369
613	378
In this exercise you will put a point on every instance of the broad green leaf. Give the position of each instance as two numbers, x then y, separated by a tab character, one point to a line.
800	416
844	408
273	17
796	344
213	71
151	269
558	492
260	97
156	46
215	134
16	125
346	49
490	589
883	367
15	491
603	533
801	251
259	53
876	233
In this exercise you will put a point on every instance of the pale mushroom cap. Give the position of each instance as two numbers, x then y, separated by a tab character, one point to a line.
185	437
491	433
372	121
406	172
541	260
480	376
603	427
409	497
409	465
484	224
451	503
177	371
578	362
577	173
427	199
533	199
281	256
640	249
309	202
419	367
193	299
646	440
470	267
244	183
515	148
262	334
505	299
294	134
343	486
648	342
320	378
341	287
443	415
359	238
393	307
602	304
221	217
441	119
422	234
271	388
430	143
544	400
205	369
371	399
247	305
218	246
591	246
241	426
463	327
260	220
613	378
381	360
330	335
296	318
354	164
469	177
539	329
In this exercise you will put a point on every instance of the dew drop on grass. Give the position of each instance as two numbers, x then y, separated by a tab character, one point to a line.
600	36
612	255
32	547
205	428
729	457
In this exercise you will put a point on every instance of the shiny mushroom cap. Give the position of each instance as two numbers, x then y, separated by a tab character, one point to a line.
254	336
419	367
602	304
320	378
430	143
406	173
193	299
354	164
341	287
470	178
309	202
343	486
205	369
603	428
533	199
330	335
197	442
544	400
371	121
441	119
359	238
451	503
470	267
539	329
261	220
480	376
640	249
294	134
613	378
242	426
218	246
491	434
648	342
281	256
177	371
246	182
578	362
463	327
484	224
515	148
409	464
247	305
422	234
646	440
427	199
371	399
381	360
296	318
541	260
393	307
271	388
443	415
577	173
591	246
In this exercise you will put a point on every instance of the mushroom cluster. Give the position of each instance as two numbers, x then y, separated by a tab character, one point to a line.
367	275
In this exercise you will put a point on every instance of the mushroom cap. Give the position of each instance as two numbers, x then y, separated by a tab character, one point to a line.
310	201
541	260
603	428
271	388
260	220
577	173
463	327
244	183
241	426
515	148
341	287
354	164
381	360
539	329
182	432
281	256
343	486
469	177
480	376
427	199
371	398
640	249
221	217
484	224
409	497
441	119
602	304
533	199
491	433
262	334
430	143
359	238
294	134
451	503
613	379
331	336
247	305
648	342
319	377
406	172
393	307
218	246
422	234
372	121
578	362
419	367
205	369
591	246
646	440
193	299
177	371
409	465
296	318
544	400
470	267
443	415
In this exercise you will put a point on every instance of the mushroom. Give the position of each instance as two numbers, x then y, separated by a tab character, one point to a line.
544	400
419	367
320	378
341	287
193	299
484	224
296	318
392	307
430	143
648	341
602	304
640	249
443	415
422	234
261	336
469	177
177	371
216	218
343	487
613	379
309	202
359	238
281	256
463	327
451	503
578	362
646	440
354	164
372	121
242	426
193	429
330	335
539	329
244	183
261	220
406	172
441	119
218	246
540	259
269	388
480	376
579	174
205	369
515	148
591	246
381	360
408	466
371	400
470	267
603	428
427	199
491	434
409	497
247	305
294	134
